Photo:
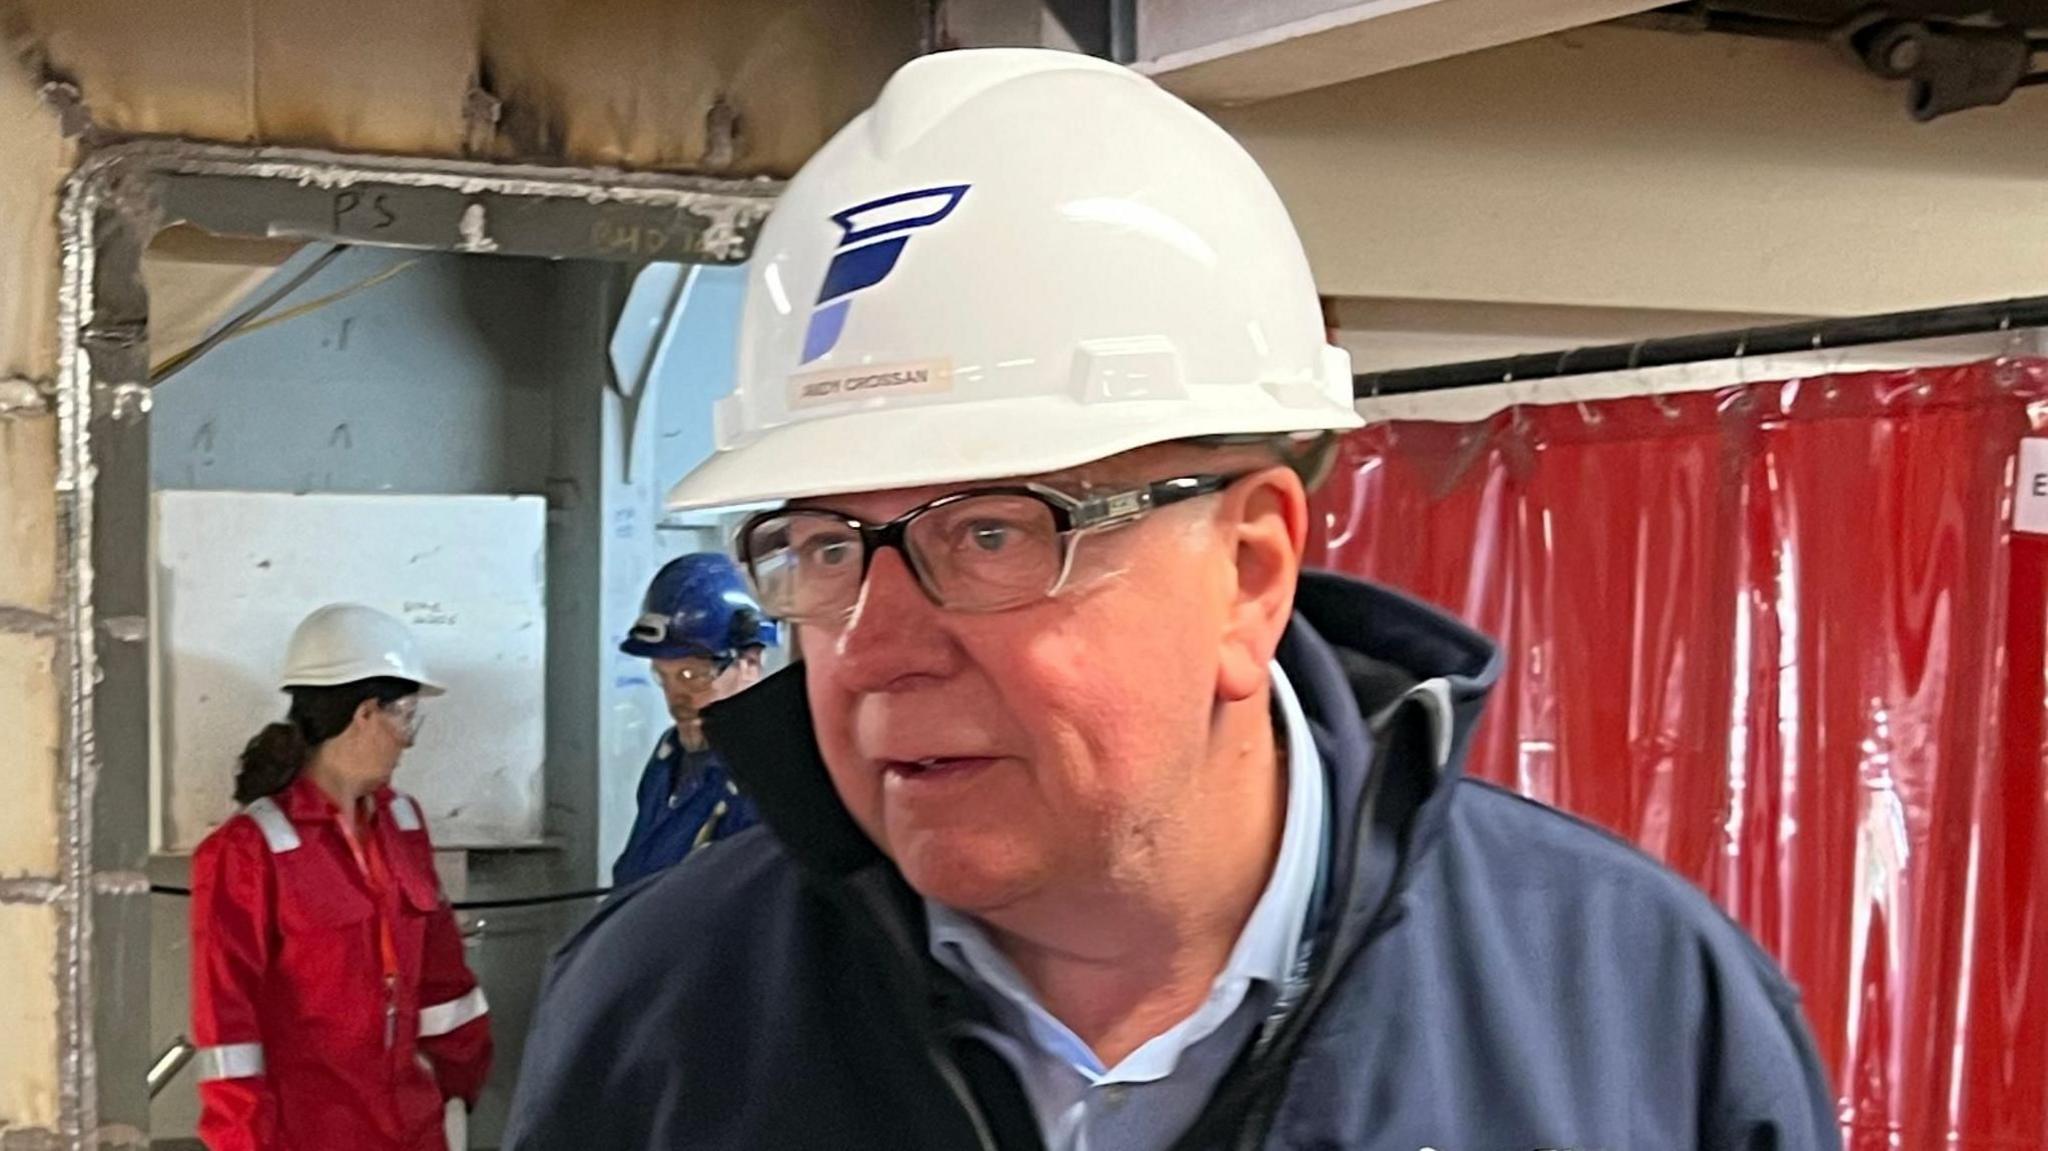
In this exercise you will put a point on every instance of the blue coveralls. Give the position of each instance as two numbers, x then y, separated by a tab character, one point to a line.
686	799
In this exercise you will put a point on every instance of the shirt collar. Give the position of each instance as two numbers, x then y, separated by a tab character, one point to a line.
1265	951
304	802
1272	938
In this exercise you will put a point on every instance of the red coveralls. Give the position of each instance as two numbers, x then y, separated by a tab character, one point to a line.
330	1000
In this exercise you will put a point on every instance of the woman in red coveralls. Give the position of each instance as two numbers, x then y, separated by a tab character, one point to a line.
330	999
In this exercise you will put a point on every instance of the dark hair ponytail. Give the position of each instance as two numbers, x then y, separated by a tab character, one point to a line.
276	755
271	761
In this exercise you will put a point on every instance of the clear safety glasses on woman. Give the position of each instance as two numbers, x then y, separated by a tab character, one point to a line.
986	550
405	712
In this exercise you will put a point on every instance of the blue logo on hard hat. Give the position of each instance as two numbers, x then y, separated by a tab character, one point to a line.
865	258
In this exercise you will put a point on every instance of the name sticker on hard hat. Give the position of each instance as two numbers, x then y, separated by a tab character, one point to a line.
877	382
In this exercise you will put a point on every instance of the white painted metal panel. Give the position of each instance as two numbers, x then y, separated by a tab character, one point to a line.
236	571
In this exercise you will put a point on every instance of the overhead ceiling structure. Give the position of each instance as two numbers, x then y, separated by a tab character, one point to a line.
1835	11
1219	54
1222	54
1952	55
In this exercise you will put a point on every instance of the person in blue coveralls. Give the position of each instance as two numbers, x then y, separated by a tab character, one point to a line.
705	636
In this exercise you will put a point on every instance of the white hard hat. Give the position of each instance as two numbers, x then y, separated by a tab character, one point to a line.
347	643
1017	261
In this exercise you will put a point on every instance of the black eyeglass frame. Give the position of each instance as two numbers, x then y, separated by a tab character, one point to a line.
1073	516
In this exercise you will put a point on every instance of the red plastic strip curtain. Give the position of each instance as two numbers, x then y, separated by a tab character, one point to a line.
1786	639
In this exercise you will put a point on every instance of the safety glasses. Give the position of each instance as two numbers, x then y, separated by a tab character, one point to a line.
406	714
697	672
985	550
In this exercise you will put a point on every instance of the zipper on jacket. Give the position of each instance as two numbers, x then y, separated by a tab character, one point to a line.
1260	1109
963	1094
886	919
1268	1067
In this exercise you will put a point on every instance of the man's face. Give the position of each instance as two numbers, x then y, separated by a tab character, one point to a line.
692	684
689	685
999	756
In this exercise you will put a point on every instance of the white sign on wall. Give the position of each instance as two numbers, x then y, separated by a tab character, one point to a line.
236	571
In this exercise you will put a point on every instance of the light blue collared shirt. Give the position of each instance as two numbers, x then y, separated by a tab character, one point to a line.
1150	1098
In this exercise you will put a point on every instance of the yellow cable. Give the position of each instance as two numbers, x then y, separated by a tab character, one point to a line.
292	313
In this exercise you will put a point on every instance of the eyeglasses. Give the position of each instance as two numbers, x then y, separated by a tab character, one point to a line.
407	712
705	671
985	550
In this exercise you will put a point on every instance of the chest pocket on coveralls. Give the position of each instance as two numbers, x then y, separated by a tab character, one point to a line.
419	896
412	863
422	897
329	941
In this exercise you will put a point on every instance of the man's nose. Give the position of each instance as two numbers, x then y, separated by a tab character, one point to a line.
895	635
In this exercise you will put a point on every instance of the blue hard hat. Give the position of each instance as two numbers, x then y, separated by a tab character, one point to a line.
699	605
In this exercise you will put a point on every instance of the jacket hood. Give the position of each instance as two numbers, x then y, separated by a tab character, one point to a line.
1392	689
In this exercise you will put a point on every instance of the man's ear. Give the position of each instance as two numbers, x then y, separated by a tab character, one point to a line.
1265	519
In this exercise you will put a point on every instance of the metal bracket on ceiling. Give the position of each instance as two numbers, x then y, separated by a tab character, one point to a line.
1948	65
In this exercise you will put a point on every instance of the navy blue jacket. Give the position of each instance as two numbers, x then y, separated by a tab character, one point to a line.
1491	975
680	793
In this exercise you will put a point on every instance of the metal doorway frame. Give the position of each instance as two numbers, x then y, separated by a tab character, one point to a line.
115	202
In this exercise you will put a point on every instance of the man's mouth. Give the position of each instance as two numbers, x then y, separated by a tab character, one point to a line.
936	769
